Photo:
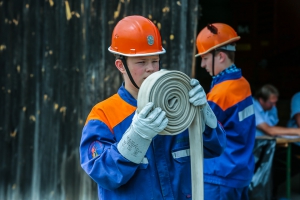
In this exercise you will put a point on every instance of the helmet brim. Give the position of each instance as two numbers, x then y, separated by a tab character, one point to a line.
219	45
139	54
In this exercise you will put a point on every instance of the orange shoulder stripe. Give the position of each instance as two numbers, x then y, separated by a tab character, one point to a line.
111	111
229	93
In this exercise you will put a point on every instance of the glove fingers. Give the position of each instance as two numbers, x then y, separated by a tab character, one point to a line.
195	90
163	124
194	82
198	102
152	116
145	111
161	121
198	96
159	118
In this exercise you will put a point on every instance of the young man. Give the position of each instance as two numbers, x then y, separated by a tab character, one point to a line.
120	149
228	176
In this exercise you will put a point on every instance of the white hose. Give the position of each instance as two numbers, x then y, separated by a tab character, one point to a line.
169	90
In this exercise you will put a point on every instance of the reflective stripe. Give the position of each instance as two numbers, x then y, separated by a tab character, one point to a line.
181	153
246	113
144	161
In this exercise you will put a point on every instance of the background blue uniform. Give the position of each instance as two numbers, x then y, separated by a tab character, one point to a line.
230	99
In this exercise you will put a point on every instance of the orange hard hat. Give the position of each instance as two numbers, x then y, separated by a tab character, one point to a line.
216	36
136	36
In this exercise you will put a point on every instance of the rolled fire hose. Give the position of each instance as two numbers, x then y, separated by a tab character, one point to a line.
169	91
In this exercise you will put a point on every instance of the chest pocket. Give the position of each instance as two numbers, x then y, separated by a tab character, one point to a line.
181	156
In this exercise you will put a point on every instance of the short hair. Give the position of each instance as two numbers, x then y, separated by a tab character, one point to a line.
230	54
117	56
266	91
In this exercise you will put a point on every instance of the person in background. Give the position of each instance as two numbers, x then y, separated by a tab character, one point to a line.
295	111
265	100
229	175
120	149
294	122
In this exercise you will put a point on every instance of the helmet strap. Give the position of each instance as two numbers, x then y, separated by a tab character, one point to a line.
213	63
159	66
128	72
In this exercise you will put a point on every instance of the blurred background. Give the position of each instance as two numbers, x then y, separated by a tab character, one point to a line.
54	66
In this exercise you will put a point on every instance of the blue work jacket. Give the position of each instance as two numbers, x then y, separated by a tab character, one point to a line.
231	100
164	173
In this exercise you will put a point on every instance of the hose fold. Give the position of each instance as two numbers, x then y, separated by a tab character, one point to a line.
169	91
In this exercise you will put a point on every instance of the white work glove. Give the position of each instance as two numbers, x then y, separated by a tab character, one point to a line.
198	98
145	126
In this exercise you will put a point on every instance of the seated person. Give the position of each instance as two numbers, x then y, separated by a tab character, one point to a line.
266	113
266	124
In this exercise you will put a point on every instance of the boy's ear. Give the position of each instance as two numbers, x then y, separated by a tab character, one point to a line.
222	56
120	66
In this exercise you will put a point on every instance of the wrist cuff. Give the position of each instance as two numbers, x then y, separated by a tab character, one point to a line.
133	147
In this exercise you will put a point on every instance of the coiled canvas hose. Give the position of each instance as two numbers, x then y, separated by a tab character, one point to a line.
169	91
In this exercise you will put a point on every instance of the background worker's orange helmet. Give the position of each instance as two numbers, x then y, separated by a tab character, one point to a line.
216	36
136	36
